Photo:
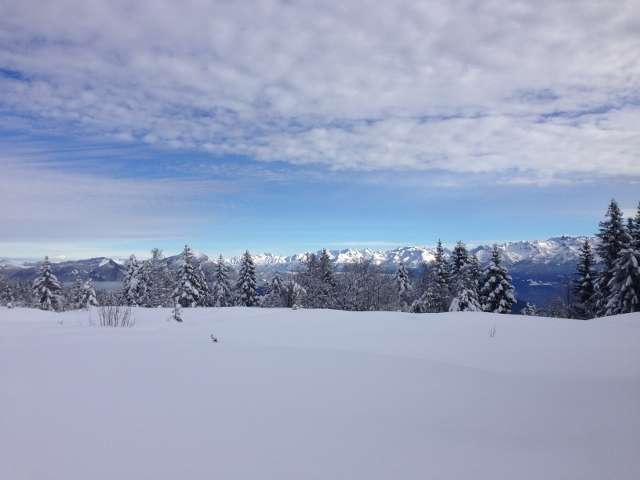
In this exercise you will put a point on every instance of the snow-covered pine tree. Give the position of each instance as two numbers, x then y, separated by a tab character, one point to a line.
327	283
464	280
134	288
293	293
634	227
529	309
475	270
497	290
584	289
191	290
465	291
87	295
221	294
459	259
159	281
613	238
403	287
47	289
440	284
275	296
312	280
246	285
624	286
428	302
75	292
7	298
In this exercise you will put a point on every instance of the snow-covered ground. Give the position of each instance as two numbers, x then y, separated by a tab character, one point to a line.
302	394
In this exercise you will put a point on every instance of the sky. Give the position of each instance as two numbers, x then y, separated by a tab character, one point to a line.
286	126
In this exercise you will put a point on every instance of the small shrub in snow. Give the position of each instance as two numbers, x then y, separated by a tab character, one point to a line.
116	316
176	313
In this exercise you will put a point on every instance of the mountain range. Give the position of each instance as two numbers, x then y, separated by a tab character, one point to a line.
540	268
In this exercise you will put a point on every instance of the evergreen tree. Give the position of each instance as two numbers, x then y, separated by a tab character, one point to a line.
428	302
76	289
475	271
624	286
87	295
584	288
157	280
47	289
634	229
465	298
7	298
318	280
497	290
440	283
613	238
459	259
293	293
221	295
327	282
246	285
275	293
134	289
403	287
191	289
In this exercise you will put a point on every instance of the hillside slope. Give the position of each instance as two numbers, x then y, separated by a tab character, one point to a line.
291	394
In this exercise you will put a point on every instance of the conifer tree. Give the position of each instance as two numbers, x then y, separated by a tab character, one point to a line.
75	293
633	227
428	302
613	238
584	288
47	289
459	259
327	283
624	286
246	285
293	293
440	283
275	293
465	296
7	298
133	284
191	289
87	295
157	278
475	270
403	287
221	295
497	290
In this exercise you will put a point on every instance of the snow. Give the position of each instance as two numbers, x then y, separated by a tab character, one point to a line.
312	394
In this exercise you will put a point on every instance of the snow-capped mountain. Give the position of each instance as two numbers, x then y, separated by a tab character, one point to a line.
554	251
558	250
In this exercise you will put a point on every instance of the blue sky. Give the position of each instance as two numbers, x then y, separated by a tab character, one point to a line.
305	125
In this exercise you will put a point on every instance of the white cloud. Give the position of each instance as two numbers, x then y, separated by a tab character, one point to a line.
54	206
543	90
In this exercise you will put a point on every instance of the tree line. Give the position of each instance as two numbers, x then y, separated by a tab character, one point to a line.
450	283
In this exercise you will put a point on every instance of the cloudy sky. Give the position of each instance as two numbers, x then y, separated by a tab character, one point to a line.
291	125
